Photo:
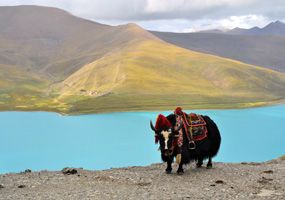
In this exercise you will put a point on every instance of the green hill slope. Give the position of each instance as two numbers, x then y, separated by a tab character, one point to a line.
51	60
262	50
151	74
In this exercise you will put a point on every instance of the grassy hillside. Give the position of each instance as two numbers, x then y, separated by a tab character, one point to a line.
260	50
53	61
155	75
21	90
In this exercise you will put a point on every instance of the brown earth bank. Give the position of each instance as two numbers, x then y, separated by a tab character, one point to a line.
264	180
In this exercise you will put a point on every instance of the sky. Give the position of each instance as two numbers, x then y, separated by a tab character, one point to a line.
171	15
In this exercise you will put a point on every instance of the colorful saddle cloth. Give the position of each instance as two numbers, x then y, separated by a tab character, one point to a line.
197	127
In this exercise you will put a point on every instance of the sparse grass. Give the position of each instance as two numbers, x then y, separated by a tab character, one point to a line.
78	105
152	75
117	103
147	75
282	157
97	68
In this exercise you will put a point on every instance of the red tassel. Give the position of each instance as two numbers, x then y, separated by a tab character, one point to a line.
162	123
178	111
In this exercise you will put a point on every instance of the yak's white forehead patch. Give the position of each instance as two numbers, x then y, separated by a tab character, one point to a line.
165	135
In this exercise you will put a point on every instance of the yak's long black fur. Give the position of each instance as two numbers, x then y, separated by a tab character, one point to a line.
205	149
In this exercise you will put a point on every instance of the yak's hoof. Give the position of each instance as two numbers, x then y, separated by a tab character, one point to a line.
168	171
209	166
180	171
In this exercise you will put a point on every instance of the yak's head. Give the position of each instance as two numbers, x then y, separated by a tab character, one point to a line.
166	134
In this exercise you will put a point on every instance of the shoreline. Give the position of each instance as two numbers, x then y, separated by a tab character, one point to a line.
239	106
246	180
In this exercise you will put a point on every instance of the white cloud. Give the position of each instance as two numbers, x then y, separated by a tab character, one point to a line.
184	25
161	9
244	21
153	6
171	15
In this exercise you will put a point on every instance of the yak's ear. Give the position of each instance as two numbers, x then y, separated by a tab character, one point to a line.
152	127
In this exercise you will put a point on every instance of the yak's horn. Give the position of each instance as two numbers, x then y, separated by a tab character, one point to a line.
152	127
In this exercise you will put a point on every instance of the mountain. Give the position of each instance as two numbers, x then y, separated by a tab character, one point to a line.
55	43
274	28
241	31
157	75
52	60
213	31
260	50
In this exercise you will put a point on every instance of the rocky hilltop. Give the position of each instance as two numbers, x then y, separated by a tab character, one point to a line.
224	181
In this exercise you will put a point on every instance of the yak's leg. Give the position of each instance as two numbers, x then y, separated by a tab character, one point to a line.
199	163
209	164
180	169
169	163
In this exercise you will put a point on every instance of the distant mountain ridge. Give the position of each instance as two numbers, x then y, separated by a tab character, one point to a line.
273	28
276	28
52	60
257	46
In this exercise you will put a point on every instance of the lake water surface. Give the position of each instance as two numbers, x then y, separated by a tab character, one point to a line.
42	140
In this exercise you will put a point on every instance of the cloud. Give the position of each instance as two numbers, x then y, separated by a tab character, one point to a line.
166	6
244	21
180	15
161	9
184	25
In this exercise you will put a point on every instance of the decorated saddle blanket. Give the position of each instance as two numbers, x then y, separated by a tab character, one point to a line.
197	127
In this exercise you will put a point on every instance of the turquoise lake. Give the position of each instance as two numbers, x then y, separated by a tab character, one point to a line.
42	140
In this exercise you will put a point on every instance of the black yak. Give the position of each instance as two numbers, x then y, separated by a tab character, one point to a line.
167	132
